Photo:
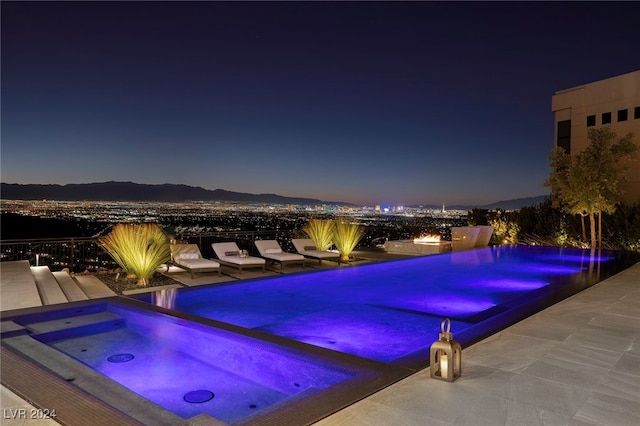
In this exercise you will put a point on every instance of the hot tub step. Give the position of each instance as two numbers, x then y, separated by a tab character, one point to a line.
74	322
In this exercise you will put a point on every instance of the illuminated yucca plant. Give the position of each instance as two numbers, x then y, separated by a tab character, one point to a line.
346	237
138	248
320	231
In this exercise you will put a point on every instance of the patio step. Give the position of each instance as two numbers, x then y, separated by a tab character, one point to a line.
93	287
19	288
48	287
25	286
69	286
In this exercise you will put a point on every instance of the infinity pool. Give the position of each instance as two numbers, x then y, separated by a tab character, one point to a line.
289	349
391	311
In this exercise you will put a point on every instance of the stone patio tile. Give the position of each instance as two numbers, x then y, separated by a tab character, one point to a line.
546	394
372	413
621	385
629	364
609	410
618	324
601	337
490	410
509	352
586	357
566	372
552	327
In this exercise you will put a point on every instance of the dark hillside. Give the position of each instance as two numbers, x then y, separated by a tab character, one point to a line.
14	226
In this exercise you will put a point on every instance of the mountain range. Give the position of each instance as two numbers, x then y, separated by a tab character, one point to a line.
515	204
129	191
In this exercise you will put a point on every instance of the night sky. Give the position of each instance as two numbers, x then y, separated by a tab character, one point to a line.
363	102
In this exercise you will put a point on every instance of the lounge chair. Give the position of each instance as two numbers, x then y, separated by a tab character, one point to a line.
306	247
229	254
189	258
271	250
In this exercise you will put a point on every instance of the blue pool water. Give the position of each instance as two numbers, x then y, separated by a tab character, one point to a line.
391	311
186	367
292	349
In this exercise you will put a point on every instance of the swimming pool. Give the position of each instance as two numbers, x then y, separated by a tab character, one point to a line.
169	369
391	311
290	349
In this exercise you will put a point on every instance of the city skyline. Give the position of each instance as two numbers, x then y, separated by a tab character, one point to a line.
362	102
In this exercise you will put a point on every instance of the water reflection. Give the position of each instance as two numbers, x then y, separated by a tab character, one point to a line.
164	298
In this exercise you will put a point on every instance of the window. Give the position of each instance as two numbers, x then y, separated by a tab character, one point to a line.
591	120
606	117
564	135
622	115
636	113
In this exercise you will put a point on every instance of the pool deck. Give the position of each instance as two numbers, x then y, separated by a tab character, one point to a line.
575	363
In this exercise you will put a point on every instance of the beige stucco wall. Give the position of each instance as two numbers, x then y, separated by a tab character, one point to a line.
609	95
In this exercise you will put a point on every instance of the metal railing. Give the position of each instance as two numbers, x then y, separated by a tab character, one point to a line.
244	239
77	254
85	254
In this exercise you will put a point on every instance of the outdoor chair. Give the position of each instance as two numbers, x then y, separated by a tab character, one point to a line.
189	258
230	254
306	248
271	250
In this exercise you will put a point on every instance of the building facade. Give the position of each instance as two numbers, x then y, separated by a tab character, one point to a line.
613	102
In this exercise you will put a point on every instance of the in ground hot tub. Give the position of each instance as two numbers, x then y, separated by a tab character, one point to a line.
164	369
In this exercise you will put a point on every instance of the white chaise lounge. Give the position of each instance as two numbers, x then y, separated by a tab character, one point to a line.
189	258
306	247
229	254
271	251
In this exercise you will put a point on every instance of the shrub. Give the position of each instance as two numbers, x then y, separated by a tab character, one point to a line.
139	249
505	228
622	228
346	236
547	225
321	232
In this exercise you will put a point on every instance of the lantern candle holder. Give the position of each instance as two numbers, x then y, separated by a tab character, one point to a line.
445	360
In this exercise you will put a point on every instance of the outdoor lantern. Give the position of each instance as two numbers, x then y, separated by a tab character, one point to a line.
445	360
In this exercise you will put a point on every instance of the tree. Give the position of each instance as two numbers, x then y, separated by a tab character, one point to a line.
570	188
478	217
589	183
505	228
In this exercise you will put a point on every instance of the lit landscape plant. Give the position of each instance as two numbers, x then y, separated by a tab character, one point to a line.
321	233
590	183
505	228
346	236
139	249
